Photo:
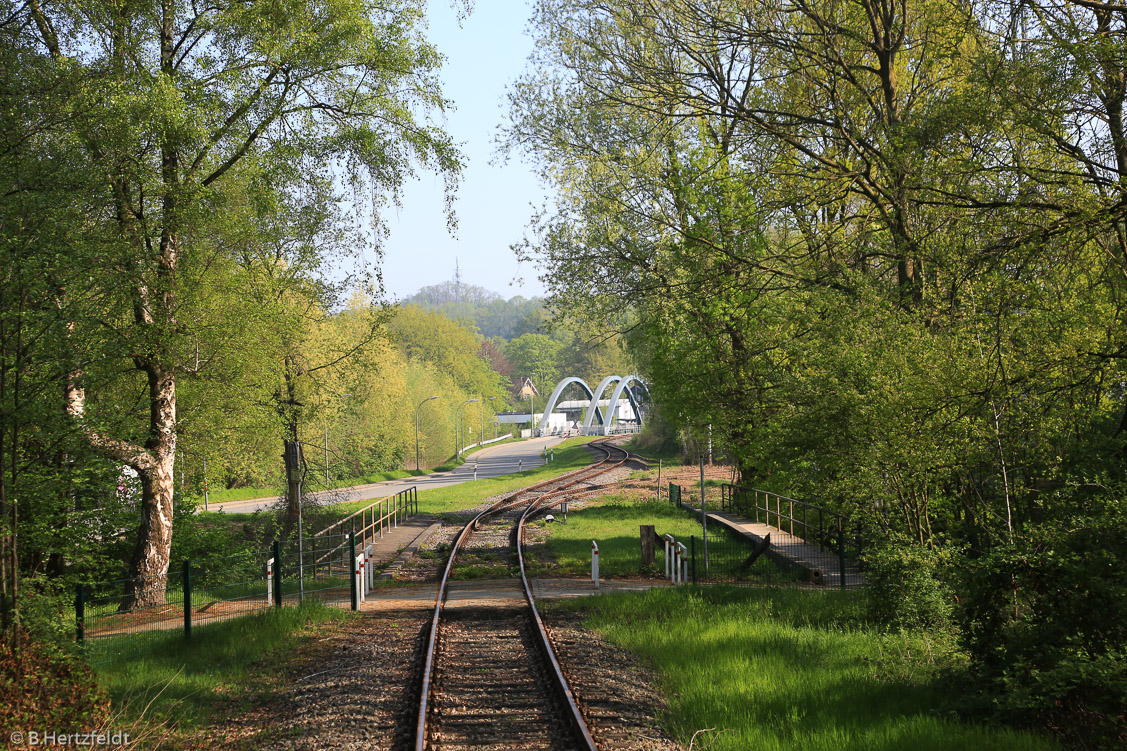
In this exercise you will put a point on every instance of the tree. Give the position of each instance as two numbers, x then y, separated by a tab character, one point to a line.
536	356
879	247
446	345
176	100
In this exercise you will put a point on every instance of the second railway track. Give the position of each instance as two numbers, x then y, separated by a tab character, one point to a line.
490	677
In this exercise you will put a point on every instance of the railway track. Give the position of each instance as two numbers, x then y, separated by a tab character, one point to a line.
490	677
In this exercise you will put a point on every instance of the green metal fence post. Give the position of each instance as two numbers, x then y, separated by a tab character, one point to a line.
80	613
352	571
278	573
841	551
693	556
187	599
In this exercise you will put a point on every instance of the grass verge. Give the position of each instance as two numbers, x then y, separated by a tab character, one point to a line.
569	455
614	524
182	684
779	670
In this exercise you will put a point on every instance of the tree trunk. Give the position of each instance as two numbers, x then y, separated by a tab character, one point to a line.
155	465
292	458
149	568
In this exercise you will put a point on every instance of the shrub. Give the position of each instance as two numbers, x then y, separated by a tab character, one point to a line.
1045	623
45	686
905	588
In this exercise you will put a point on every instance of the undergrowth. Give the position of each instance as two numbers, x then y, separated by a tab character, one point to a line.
780	669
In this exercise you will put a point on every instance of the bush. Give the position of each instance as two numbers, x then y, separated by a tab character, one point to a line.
1045	623
905	587
44	686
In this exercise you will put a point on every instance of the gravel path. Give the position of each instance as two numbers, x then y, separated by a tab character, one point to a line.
617	694
355	697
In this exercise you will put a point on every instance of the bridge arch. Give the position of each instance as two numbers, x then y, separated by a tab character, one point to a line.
622	386
593	410
555	397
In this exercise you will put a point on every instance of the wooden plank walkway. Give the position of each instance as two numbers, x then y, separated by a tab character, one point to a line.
820	567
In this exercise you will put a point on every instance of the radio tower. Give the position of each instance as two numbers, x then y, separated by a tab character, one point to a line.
457	281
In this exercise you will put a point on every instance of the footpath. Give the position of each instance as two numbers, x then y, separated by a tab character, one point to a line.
491	461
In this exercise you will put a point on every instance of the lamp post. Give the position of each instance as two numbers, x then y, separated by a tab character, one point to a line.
457	431
424	401
483	401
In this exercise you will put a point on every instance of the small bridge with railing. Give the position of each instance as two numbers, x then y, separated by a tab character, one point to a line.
822	546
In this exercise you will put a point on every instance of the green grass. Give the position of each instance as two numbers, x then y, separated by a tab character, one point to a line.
250	494
569	455
235	494
233	659
615	524
782	670
646	445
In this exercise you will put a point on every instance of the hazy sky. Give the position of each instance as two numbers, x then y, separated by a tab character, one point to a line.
493	204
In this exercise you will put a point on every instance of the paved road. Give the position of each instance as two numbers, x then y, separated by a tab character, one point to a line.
491	461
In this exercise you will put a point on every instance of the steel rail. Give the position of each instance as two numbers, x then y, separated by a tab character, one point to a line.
443	588
575	716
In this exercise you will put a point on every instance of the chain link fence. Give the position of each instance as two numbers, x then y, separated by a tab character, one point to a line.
116	618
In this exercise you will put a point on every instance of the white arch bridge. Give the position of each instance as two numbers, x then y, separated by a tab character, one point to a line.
604	413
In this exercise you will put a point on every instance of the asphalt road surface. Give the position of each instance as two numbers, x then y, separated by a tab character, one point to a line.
491	461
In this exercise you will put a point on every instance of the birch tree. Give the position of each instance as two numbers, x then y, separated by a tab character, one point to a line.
179	98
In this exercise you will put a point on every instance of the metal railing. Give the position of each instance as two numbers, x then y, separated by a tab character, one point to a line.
370	522
816	548
804	520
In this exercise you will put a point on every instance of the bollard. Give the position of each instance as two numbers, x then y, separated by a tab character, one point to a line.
520	465
371	569
362	588
683	554
595	563
553	455
357	588
269	581
475	471
669	542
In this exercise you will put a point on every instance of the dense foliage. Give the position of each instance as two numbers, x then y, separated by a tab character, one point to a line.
179	180
878	250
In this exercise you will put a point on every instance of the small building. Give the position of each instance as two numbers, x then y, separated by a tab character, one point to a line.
527	389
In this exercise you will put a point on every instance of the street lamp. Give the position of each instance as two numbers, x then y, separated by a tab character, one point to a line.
483	401
457	432
424	401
